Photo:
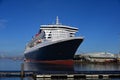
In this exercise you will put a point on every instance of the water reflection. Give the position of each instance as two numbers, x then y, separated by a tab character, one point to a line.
96	66
76	67
45	67
71	68
10	65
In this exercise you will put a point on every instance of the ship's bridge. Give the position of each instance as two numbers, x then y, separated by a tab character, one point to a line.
58	31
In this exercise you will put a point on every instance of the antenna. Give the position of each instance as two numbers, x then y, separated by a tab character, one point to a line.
57	20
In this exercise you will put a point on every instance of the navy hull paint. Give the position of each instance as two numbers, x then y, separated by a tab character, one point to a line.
64	50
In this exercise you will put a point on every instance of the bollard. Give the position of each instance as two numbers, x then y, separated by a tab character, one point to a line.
22	70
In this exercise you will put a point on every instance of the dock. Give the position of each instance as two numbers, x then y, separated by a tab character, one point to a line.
74	75
15	74
82	75
62	75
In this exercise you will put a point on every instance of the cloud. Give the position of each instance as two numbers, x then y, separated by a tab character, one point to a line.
3	23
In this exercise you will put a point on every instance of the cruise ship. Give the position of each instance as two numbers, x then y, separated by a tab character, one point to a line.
55	42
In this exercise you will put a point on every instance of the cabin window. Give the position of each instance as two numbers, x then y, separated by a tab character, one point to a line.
71	34
49	35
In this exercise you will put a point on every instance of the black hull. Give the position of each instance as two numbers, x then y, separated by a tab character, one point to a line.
63	50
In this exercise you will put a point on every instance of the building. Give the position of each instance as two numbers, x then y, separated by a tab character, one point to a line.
98	57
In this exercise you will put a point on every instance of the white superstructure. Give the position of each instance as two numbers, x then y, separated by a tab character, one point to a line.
51	33
58	31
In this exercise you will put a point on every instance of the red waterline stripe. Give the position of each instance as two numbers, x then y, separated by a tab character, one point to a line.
62	62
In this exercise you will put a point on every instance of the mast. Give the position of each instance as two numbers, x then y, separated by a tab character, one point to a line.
57	20
57	23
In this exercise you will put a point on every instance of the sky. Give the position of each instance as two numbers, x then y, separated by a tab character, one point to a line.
98	22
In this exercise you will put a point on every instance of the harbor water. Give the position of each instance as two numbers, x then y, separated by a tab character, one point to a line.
15	65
